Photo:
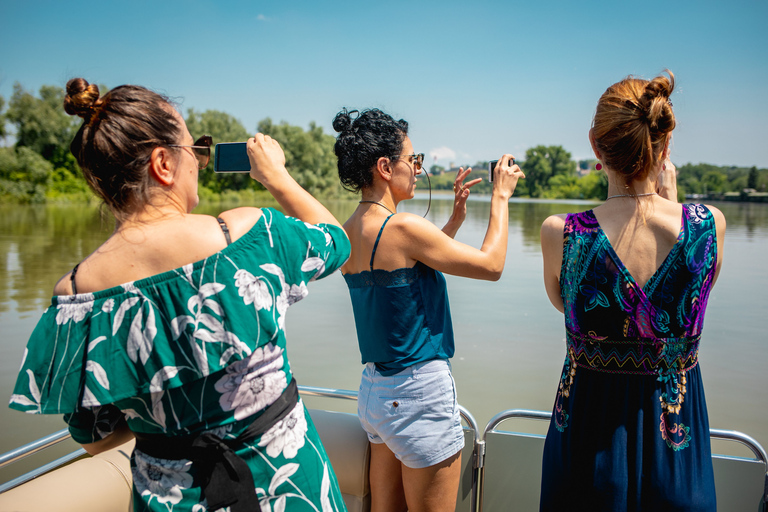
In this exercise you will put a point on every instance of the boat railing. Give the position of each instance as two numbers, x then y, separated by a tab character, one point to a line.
478	446
757	450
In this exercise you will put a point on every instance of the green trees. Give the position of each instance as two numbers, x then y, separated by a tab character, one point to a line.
41	123
712	179
24	174
39	166
544	163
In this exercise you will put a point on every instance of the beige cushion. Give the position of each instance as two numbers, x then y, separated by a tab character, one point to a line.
92	484
347	446
103	483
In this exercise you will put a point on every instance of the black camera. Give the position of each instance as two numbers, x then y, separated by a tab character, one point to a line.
492	166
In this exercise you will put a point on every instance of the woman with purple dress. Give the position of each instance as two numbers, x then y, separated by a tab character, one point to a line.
629	427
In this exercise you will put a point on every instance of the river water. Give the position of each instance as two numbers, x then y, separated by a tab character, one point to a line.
510	341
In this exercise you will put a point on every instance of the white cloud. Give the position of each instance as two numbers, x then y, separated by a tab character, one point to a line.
442	153
261	17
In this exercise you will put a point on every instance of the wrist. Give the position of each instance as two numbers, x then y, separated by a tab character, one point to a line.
501	194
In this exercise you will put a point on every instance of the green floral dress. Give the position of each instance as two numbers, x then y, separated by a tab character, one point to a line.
192	350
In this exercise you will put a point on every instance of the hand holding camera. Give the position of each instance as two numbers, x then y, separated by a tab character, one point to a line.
504	173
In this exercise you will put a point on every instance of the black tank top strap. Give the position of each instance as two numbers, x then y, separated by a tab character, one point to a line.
376	244
225	229
72	279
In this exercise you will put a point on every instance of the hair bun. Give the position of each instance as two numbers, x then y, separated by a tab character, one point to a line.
657	107
343	120
81	98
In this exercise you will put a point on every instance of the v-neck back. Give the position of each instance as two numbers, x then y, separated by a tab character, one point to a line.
601	295
671	255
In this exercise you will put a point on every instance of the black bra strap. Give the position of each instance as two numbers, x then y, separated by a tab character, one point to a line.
72	279
376	244
225	229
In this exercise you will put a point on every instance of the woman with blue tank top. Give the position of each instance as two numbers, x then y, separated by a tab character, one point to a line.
407	400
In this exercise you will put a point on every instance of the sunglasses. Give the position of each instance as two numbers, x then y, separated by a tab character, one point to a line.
418	160
201	149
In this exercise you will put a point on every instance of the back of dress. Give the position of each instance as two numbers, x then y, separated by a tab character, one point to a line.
629	429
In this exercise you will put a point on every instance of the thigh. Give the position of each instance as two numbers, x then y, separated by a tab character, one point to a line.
433	488
387	494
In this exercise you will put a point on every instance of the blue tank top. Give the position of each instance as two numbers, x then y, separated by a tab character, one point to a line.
402	317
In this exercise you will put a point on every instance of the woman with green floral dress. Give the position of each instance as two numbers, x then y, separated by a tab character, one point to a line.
173	330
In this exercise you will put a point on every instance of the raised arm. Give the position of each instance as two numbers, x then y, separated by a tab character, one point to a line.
268	168
422	241
666	183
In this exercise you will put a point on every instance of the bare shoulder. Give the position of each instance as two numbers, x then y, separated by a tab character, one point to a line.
413	231
717	214
240	220
553	225
64	285
412	224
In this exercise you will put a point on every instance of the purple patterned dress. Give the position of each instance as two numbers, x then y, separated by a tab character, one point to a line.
629	428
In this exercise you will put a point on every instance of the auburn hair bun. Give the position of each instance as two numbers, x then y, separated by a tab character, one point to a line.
81	98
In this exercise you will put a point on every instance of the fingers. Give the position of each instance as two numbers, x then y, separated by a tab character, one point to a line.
458	184
266	156
472	183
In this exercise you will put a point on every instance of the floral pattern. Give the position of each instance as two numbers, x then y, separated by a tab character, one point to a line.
286	436
197	349
630	390
161	479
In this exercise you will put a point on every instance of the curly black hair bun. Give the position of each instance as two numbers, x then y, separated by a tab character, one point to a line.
372	134
343	120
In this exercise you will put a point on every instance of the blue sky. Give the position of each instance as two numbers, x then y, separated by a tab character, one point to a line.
474	79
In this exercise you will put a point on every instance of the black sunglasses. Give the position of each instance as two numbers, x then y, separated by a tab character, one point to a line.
201	148
418	160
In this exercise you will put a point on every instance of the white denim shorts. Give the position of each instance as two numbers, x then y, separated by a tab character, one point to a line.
415	412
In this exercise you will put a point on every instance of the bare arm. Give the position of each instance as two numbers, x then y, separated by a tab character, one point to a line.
422	241
268	168
120	436
552	253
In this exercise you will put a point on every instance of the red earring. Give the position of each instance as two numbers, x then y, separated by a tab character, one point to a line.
599	166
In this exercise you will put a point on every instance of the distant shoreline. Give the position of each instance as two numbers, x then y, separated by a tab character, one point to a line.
745	196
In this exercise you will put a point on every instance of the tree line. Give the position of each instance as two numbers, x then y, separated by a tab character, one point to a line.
39	167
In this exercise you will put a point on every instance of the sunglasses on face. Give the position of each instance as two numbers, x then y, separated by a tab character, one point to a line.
201	148
417	159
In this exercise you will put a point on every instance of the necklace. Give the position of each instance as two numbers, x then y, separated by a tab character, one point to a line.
631	195
378	203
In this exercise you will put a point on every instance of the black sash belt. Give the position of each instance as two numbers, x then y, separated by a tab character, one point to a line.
225	478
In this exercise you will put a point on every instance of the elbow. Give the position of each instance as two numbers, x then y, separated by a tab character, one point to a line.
493	272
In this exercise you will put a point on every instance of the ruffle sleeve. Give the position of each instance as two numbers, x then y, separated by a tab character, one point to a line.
178	327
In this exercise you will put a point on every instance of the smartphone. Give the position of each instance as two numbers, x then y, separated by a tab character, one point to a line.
231	157
492	166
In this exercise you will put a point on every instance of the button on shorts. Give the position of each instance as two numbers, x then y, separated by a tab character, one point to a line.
415	412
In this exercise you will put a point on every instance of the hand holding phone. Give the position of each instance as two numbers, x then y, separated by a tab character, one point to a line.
267	159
